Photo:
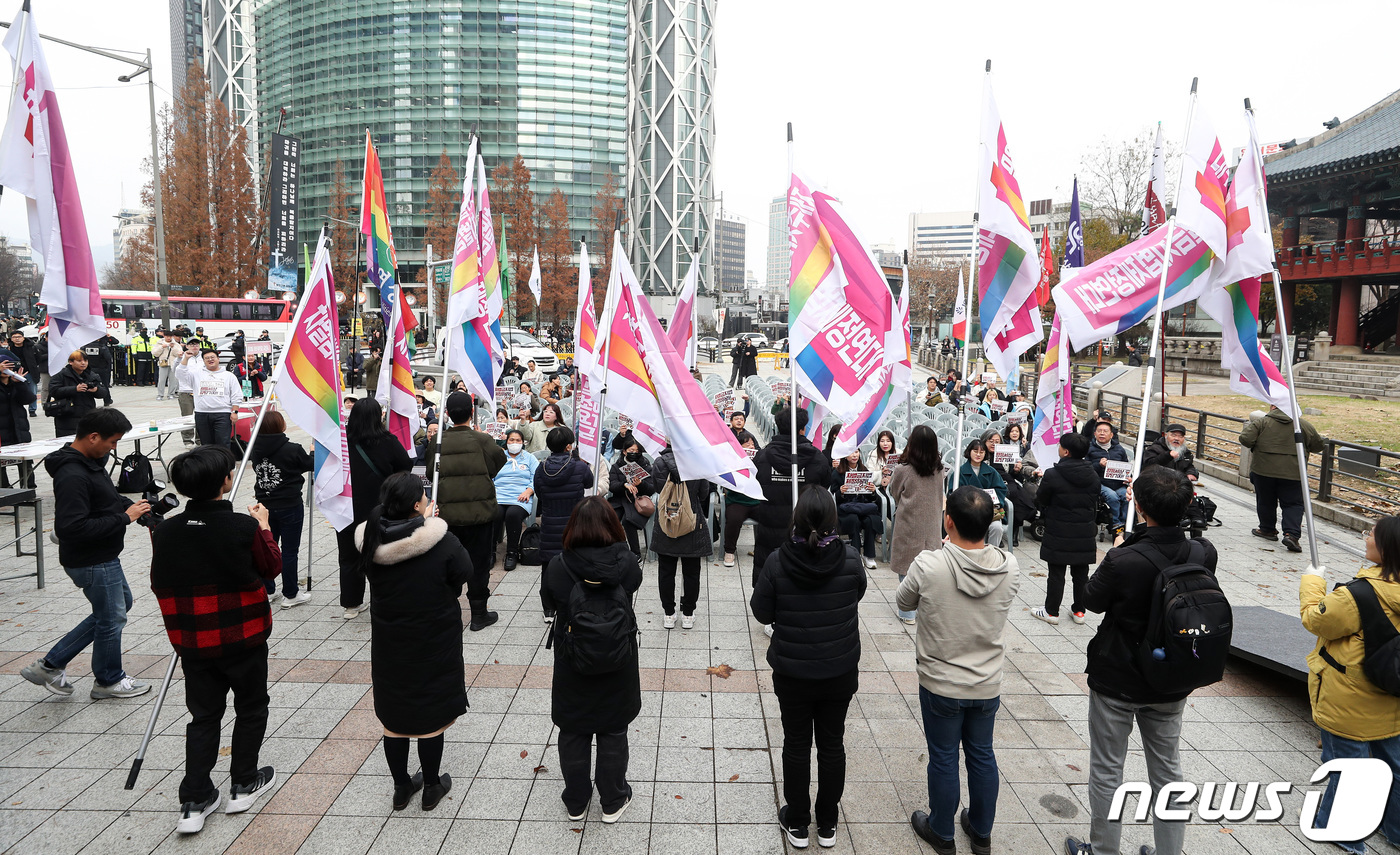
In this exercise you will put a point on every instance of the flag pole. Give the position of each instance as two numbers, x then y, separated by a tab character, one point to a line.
1154	355
578	318
442	407
972	282
792	357
1282	324
909	387
271	386
605	332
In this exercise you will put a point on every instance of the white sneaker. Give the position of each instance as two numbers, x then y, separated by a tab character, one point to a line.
669	622
869	562
354	612
610	818
1077	617
1041	614
728	559
53	679
274	598
299	599
687	622
192	815
241	797
127	688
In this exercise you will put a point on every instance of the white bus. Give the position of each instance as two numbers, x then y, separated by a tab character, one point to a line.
219	316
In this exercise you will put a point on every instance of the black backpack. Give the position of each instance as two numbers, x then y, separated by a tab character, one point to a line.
530	546
1189	628
136	475
1382	661
601	634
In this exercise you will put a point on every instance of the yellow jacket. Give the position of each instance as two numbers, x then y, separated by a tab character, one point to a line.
1347	704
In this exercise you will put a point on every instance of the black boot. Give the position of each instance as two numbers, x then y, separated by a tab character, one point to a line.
481	618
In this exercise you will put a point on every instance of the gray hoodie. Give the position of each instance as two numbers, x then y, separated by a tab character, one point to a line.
962	598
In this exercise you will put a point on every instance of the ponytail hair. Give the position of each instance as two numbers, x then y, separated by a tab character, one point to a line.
814	519
401	491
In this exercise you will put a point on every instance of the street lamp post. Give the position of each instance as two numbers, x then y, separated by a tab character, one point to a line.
162	284
928	327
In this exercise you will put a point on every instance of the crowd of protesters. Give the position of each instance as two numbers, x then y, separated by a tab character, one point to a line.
418	554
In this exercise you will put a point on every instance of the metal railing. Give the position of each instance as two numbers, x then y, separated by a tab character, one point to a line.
1364	478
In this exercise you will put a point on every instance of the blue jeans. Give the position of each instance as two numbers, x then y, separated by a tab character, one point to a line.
286	526
1117	501
1385	749
33	387
948	723
105	587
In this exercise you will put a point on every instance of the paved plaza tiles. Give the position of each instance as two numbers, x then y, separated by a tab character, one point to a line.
705	751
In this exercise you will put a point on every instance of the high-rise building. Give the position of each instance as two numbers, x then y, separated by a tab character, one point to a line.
670	140
186	39
230	64
130	223
948	233
1044	212
777	270
731	237
545	79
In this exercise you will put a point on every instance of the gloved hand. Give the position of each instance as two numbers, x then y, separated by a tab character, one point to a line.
1315	571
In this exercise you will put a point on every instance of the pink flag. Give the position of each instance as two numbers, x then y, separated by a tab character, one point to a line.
35	162
681	330
838	307
587	418
311	398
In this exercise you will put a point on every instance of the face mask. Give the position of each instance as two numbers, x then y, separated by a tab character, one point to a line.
634	456
514	447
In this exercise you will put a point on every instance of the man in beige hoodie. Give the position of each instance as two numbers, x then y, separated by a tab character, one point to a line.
962	594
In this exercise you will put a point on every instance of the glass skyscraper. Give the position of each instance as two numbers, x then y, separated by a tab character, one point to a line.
544	79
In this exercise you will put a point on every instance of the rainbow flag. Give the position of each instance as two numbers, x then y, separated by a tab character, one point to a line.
1054	399
1007	267
704	446
463	302
481	354
311	398
381	258
1235	305
960	313
839	305
618	366
395	391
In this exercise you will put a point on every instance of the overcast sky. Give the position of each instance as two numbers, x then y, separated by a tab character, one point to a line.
883	94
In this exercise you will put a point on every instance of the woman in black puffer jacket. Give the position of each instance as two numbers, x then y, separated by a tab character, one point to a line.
810	591
589	707
560	483
416	570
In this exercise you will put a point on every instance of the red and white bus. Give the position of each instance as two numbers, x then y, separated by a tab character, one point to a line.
219	316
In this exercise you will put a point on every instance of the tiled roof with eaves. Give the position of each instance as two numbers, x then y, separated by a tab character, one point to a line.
1371	137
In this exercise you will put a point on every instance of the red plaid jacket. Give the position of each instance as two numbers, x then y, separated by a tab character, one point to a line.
213	600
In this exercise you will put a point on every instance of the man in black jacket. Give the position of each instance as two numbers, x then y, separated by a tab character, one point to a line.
773	516
90	520
1170	450
1122	589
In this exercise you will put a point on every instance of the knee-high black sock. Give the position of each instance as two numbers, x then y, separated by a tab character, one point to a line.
430	755
396	753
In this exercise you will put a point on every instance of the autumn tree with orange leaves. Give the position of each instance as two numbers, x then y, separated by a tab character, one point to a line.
440	220
558	275
514	201
211	210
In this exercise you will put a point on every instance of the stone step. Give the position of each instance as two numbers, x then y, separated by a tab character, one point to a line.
1352	368
1343	374
1346	389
